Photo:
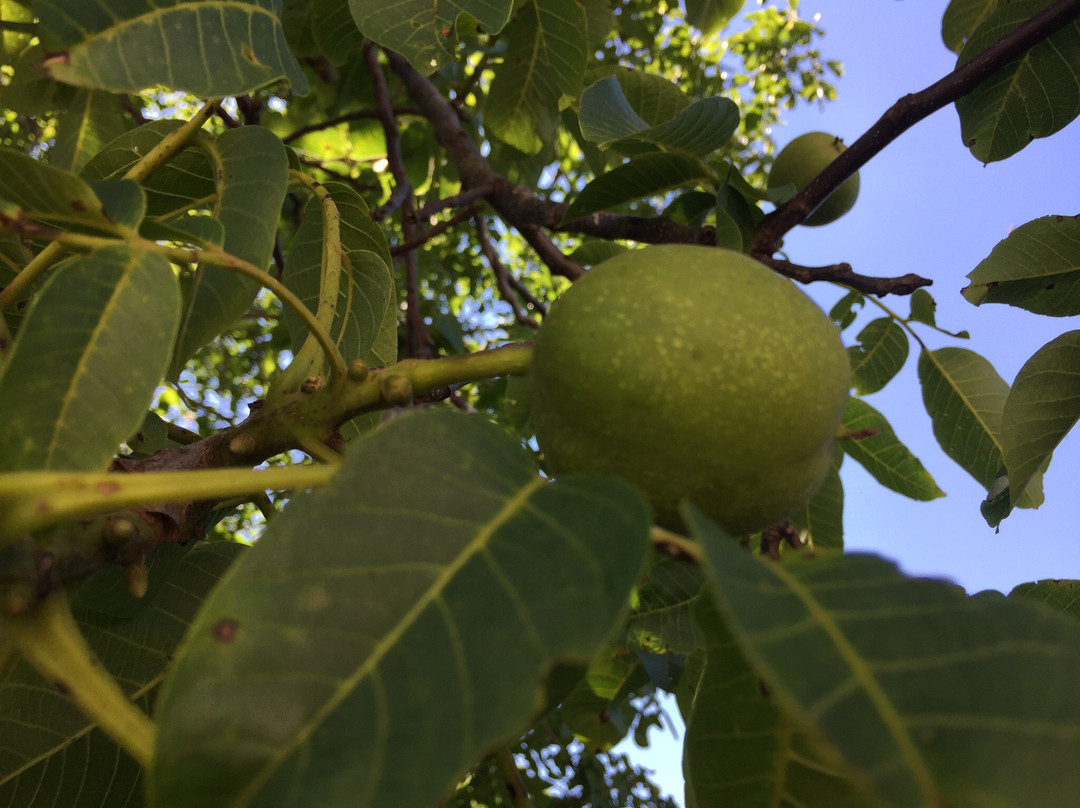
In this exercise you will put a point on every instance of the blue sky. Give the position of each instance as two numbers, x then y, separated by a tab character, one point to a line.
927	206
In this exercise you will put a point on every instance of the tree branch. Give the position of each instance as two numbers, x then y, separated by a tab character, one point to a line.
842	273
908	111
502	274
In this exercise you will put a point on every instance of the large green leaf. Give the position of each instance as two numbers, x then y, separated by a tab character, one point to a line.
879	356
205	47
964	396
1036	267
366	291
92	119
335	34
961	18
643	176
1033	96
608	117
1041	408
420	30
50	195
184	183
49	752
254	178
1061	596
545	59
87	360
741	748
926	696
388	630
883	455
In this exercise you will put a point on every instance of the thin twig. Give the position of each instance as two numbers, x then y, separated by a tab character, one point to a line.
455	201
418	341
502	274
441	227
842	273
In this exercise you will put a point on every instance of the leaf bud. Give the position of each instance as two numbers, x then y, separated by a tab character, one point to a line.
397	390
358	370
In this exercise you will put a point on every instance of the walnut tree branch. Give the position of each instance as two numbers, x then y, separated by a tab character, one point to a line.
908	111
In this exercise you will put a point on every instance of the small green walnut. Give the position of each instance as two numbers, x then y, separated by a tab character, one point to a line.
803	159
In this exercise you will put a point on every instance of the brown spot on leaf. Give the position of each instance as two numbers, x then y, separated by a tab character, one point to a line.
79	205
225	629
108	488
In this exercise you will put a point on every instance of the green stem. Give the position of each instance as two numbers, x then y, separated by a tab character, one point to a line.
167	148
675	544
512	779
218	257
31	500
307	360
51	641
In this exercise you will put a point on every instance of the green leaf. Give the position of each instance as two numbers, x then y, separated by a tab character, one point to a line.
1033	96
821	520
1041	408
545	59
961	18
50	195
1061	596
91	120
254	178
1036	267
13	257
879	356
406	635
597	710
365	293
711	16
50	754
742	749
336	36
420	29
123	201
845	311
923	307
647	175
889	461
87	360
660	620
185	182
607	117
926	696
964	396
207	48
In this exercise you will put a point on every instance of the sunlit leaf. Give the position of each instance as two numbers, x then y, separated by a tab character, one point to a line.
140	44
420	30
87	360
710	16
964	396
607	117
1041	408
1033	96
922	692
883	455
923	307
879	356
50	754
407	634
1037	267
546	54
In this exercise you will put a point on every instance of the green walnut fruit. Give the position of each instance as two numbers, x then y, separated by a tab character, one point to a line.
692	372
803	159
